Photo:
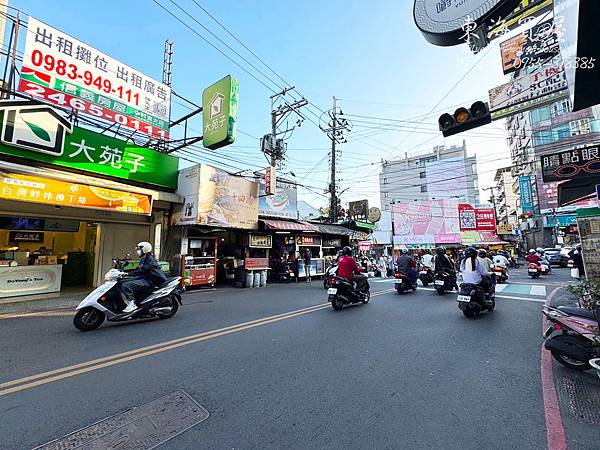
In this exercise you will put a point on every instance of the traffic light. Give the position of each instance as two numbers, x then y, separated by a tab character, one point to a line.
465	119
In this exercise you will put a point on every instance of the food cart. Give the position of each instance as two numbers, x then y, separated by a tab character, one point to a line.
200	265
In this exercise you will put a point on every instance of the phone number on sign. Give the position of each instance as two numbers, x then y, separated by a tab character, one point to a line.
71	71
68	101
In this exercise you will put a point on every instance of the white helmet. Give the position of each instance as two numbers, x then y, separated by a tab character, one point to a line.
531	250
143	248
540	250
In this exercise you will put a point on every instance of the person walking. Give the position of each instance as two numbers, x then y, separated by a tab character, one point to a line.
307	262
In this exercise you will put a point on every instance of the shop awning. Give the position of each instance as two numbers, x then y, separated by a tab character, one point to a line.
285	225
333	229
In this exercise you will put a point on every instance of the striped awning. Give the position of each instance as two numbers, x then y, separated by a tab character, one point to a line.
285	225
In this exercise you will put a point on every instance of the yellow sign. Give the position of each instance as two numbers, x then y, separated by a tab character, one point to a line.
34	189
504	229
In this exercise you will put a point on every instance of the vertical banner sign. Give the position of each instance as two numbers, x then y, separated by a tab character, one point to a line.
270	181
66	71
526	195
219	113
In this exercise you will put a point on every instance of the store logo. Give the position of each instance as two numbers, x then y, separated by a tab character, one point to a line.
33	126
216	105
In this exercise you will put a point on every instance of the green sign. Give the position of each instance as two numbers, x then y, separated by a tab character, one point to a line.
219	112
82	149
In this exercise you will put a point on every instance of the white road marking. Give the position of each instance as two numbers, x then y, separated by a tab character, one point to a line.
538	300
538	290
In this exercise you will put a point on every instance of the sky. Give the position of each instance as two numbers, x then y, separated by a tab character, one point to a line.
390	82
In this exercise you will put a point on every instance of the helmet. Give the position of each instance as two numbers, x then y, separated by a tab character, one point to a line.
470	252
540	250
404	251
532	251
347	251
144	247
482	253
440	250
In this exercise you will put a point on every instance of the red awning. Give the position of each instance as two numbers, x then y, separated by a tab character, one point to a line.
285	225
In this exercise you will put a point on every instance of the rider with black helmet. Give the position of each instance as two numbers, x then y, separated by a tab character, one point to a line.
348	269
473	272
441	263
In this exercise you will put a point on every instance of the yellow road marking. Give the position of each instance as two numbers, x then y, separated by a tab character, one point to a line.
36	314
107	361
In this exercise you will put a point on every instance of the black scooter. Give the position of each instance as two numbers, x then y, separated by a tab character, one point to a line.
342	292
472	299
444	282
403	283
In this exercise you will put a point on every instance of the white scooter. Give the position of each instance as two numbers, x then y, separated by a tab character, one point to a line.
107	301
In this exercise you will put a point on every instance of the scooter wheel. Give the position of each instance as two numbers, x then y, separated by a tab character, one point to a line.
336	303
88	319
367	298
441	291
173	304
469	313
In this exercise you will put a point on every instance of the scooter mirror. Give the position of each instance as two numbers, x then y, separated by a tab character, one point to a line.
127	255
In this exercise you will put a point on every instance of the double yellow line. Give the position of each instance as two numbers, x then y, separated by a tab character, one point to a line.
21	384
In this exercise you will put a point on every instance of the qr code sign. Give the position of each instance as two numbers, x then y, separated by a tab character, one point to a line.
467	220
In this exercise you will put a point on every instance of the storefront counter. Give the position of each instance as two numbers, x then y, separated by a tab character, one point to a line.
29	280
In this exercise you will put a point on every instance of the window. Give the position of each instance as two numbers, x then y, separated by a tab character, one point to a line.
385	194
560	108
422	174
540	115
473	167
579	127
387	207
423	188
476	183
562	133
385	181
542	137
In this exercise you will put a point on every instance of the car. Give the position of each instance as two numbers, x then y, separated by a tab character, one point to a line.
555	257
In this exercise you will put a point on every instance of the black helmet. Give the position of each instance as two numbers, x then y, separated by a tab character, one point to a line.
347	251
482	253
440	250
470	252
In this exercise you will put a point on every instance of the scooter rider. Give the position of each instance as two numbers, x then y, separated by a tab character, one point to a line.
484	260
148	274
348	269
441	263
408	266
473	272
532	257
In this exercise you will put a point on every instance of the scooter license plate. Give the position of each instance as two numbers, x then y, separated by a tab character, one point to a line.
439	283
332	291
532	270
463	298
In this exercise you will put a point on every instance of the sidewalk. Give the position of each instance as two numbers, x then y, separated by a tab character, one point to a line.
65	301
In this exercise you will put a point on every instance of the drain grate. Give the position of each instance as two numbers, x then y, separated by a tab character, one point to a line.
141	428
583	400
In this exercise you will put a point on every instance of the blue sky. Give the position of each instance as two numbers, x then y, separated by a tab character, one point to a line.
368	54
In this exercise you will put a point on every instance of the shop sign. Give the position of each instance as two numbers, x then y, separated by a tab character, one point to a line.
480	219
374	214
332	243
359	236
505	229
270	180
29	280
543	86
309	240
38	133
213	197
219	113
526	194
527	11
35	189
358	209
529	48
67	72
256	263
25	236
284	204
577	164
445	22
257	241
562	221
364	246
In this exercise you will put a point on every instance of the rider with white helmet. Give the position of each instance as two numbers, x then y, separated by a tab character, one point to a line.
148	275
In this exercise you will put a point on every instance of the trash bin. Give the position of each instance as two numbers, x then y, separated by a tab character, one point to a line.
249	279
257	279
263	278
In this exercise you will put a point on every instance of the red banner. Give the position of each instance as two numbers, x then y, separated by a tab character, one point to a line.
476	219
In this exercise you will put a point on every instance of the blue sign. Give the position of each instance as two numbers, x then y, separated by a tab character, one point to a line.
526	195
284	204
563	221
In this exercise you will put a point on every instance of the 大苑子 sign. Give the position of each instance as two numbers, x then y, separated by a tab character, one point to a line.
38	133
448	22
67	72
219	113
531	47
545	85
577	164
35	189
526	194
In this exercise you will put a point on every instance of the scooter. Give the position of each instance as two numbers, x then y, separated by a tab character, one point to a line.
443	282
107	301
534	270
343	292
472	300
283	273
501	274
402	283
573	336
426	275
329	274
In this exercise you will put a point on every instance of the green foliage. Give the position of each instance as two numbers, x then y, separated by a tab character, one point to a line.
588	293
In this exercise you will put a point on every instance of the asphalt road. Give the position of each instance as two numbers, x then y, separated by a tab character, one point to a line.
401	372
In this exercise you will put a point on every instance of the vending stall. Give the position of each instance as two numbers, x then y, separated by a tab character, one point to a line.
200	265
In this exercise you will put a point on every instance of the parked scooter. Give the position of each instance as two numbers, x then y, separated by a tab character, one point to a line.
472	300
501	273
573	336
444	282
107	301
283	272
402	283
329	274
343	292
426	275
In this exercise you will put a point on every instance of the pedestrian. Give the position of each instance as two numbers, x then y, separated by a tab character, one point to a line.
307	263
577	256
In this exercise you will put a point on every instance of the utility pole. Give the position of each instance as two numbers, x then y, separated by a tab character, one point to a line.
335	129
493	198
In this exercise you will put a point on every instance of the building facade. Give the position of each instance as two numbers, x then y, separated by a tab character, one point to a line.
505	199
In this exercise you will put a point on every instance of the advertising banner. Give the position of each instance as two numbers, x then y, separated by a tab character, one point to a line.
284	204
34	189
505	229
67	72
26	128
529	48
441	185
219	113
359	209
527	206
479	219
426	222
214	197
579	163
543	86
479	238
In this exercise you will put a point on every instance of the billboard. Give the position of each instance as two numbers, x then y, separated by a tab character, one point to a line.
476	219
526	194
529	48
68	72
426	222
441	185
219	113
358	209
284	204
579	163
544	85
214	197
